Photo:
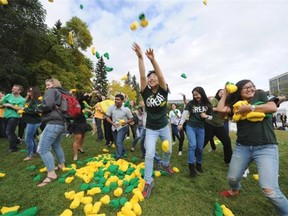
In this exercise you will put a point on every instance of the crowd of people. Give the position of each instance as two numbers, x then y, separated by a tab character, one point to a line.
201	119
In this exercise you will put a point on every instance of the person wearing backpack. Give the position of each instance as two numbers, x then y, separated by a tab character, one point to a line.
79	126
52	133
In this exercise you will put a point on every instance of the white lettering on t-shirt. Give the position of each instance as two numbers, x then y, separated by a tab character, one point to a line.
155	101
199	109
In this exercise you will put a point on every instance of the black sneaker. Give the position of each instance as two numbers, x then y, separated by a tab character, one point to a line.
199	168
147	189
13	150
167	169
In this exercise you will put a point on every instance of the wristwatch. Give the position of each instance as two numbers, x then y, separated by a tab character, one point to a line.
252	108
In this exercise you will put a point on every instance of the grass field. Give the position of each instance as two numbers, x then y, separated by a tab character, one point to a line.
172	195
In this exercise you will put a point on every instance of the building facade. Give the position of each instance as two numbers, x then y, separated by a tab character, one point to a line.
279	85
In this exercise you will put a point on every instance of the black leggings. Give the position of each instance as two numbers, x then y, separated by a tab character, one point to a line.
223	136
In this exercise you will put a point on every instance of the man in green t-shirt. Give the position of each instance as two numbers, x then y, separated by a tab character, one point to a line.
12	103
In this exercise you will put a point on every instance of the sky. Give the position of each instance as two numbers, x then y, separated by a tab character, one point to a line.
225	40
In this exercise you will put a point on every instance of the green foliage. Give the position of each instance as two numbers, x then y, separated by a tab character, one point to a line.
176	195
100	80
127	90
81	35
22	28
34	53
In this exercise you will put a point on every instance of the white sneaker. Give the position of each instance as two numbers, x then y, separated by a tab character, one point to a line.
180	153
246	172
173	143
127	137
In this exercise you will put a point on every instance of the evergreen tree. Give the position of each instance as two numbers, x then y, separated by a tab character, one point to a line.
100	80
136	87
128	80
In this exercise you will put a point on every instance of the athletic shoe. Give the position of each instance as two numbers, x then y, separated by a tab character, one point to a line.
180	153
199	168
147	189
167	169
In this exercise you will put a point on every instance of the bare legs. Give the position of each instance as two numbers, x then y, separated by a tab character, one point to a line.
78	145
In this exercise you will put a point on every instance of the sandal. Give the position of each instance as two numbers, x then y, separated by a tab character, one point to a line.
81	151
59	167
230	193
46	181
27	158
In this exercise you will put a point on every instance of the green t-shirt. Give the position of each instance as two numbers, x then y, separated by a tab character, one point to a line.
217	120
15	101
256	133
195	109
156	108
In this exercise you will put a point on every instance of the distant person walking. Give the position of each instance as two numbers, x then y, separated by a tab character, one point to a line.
175	116
283	120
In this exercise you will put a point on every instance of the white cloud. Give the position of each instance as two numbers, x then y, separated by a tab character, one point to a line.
223	41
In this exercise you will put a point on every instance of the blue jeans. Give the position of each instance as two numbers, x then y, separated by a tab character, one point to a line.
267	160
137	136
150	145
119	137
10	125
51	138
175	132
195	138
31	130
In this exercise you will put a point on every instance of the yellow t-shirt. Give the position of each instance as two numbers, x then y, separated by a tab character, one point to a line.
1	111
98	111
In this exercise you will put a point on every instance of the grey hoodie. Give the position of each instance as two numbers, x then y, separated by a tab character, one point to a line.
50	106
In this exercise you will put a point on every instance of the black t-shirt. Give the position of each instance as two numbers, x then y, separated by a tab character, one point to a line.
156	108
256	133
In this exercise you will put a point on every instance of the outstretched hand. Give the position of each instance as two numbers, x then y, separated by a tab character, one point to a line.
137	50
150	53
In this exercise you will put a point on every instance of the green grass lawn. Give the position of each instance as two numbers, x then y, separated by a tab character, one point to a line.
172	195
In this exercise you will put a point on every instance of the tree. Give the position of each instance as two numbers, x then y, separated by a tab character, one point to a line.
81	35
125	89
100	80
22	28
128	80
136	87
131	81
30	52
